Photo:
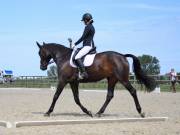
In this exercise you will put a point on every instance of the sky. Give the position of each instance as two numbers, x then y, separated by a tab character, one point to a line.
126	26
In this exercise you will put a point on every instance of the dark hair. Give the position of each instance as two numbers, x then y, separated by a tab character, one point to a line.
91	21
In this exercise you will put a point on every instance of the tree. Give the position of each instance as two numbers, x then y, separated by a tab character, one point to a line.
52	72
150	64
178	73
178	76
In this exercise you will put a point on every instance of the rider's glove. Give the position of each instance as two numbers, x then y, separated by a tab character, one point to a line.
72	46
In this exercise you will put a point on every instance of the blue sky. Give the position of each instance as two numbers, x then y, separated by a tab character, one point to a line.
127	26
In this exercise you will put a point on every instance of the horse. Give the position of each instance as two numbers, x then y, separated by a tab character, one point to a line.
109	65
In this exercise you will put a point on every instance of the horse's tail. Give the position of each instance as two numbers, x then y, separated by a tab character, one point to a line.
141	76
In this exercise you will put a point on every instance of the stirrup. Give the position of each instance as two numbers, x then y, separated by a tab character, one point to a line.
82	76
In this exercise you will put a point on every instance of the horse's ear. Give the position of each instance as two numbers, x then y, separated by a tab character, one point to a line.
38	45
44	43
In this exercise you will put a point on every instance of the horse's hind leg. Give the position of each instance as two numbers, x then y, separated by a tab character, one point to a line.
74	87
110	94
132	91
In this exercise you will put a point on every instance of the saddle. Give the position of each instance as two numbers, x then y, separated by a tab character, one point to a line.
87	59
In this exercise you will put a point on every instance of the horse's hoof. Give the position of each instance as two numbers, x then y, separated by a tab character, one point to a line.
90	114
143	114
47	115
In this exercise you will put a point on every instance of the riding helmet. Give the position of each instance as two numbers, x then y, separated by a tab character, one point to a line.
87	17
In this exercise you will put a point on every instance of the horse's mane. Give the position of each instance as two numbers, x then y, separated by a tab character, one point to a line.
58	47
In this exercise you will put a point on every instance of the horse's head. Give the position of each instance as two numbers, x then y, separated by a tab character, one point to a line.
45	56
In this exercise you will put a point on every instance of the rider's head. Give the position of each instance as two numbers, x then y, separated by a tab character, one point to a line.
87	18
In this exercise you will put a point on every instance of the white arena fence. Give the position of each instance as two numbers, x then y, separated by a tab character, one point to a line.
48	82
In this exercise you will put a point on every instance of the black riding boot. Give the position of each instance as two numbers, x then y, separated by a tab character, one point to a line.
83	74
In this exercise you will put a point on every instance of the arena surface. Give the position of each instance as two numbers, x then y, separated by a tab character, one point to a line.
22	104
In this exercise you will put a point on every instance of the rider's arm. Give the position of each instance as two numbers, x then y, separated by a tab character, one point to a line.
85	33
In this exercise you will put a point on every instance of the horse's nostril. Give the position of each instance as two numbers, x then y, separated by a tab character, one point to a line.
43	67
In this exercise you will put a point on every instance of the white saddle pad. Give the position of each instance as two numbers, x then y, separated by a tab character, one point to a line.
88	60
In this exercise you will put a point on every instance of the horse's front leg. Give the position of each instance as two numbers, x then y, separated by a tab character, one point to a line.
60	88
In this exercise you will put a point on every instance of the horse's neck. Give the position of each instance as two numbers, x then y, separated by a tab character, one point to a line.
59	56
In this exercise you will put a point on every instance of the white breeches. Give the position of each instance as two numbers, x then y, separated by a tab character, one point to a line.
83	52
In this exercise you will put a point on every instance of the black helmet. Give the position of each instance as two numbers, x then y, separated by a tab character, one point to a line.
87	17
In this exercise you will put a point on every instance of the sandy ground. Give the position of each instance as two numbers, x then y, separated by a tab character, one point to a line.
30	104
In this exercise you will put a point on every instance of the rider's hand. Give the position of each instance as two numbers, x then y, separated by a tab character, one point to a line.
72	46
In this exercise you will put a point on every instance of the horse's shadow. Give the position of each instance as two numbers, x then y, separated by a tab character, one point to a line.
76	114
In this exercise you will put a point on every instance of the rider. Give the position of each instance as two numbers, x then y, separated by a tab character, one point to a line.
88	43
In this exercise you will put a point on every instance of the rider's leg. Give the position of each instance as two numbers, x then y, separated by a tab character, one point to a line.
79	62
83	52
83	74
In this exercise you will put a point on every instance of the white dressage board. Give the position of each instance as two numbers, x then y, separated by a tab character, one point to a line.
5	124
89	121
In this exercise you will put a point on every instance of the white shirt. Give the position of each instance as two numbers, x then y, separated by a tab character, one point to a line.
173	76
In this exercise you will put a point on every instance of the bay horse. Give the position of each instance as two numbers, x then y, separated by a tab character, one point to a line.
110	65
